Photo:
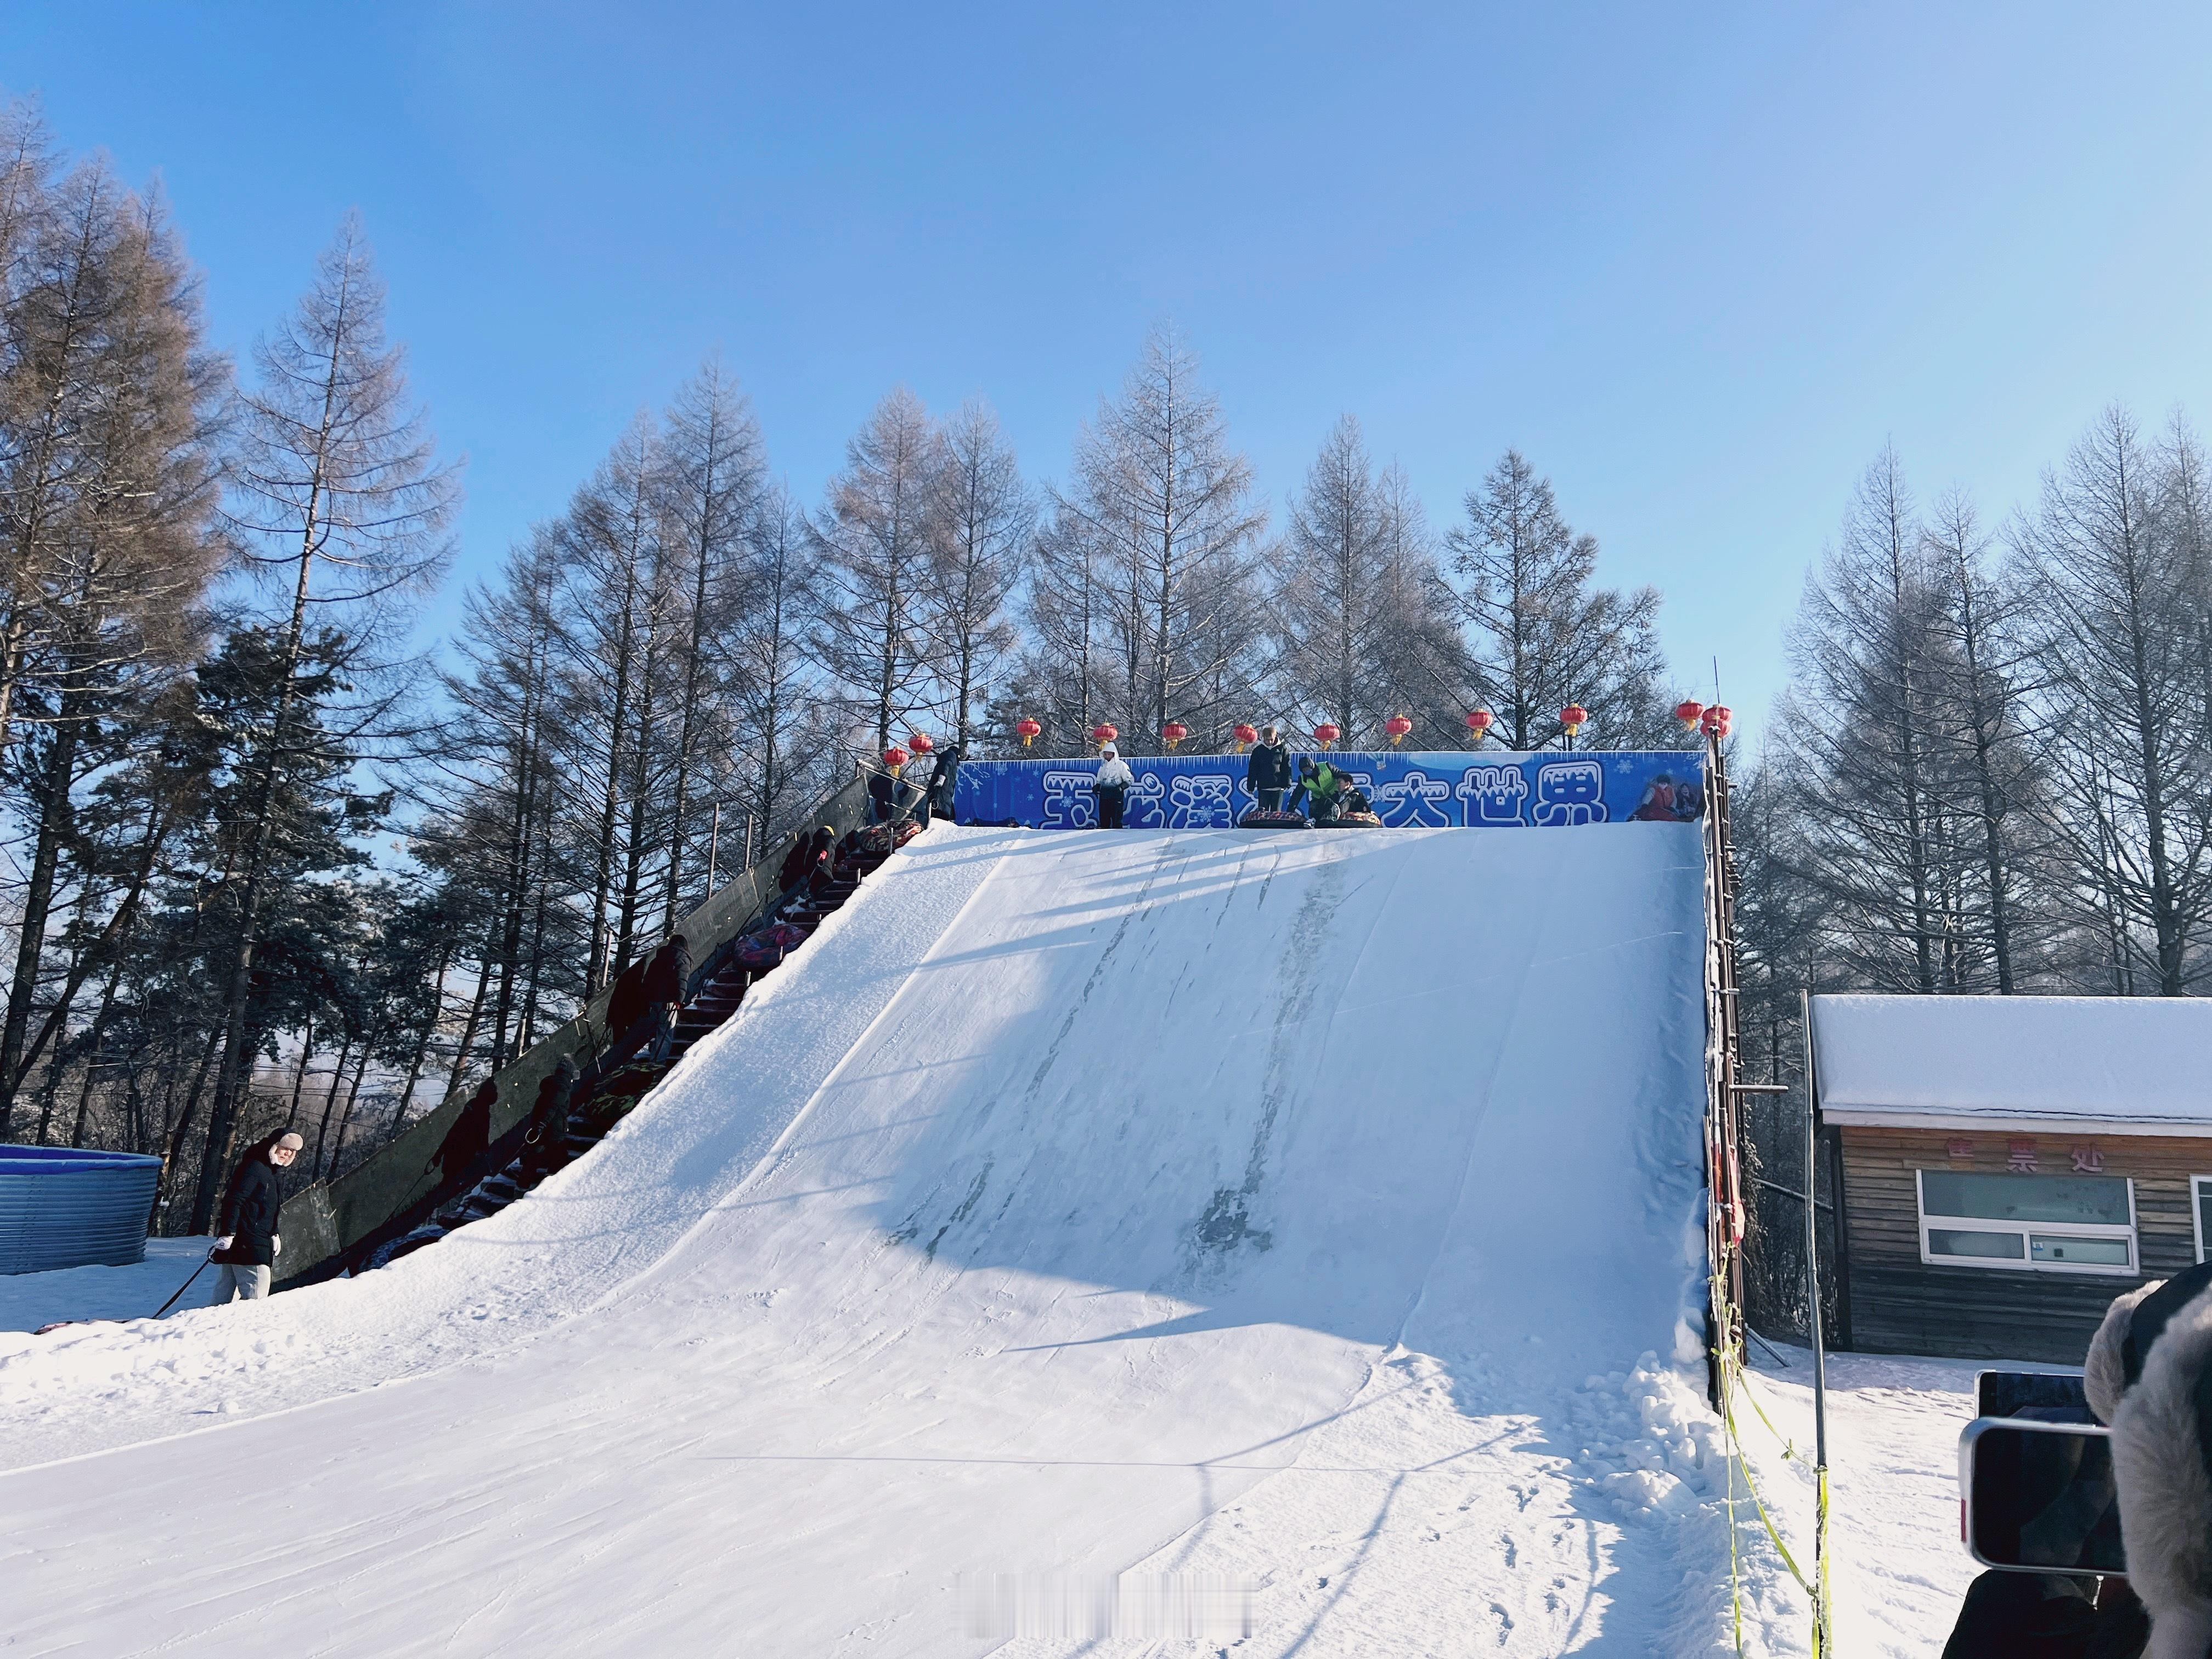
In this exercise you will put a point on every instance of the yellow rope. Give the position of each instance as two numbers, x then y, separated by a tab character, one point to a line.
1733	1376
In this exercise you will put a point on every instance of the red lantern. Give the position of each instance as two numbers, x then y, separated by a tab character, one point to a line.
920	742
1028	730
895	757
1325	733
1574	717
1101	735
1397	725
1479	723
1245	734
1718	722
1689	713
1173	734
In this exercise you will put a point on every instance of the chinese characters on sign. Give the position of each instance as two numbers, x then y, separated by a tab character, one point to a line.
1959	1148
2019	1156
2088	1160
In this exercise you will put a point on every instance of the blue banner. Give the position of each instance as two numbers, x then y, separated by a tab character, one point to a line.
1431	789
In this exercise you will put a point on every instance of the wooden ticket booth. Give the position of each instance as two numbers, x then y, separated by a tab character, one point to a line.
2009	1164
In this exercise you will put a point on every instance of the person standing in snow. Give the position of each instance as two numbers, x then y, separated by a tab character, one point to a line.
246	1252
1113	783
667	976
1268	773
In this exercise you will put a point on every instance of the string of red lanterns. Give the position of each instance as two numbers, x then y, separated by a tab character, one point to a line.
1716	721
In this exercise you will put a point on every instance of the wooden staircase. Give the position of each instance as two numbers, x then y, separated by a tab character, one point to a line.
598	1109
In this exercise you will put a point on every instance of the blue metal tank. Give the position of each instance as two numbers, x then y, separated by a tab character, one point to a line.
63	1209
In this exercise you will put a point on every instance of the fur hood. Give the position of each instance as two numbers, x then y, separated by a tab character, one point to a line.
2163	1466
2105	1368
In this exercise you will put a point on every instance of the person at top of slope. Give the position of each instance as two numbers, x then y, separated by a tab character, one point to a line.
1268	773
937	800
248	1247
1323	783
1113	783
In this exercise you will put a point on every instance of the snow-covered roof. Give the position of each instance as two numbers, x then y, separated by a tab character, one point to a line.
2122	1065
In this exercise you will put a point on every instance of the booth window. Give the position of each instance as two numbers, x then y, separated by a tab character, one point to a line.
2070	1224
2200	1193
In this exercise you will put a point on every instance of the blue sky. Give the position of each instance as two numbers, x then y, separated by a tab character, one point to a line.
1698	263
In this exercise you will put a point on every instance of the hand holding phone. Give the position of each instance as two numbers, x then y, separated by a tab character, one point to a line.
2039	1496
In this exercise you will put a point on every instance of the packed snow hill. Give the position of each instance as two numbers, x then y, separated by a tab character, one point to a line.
1162	1242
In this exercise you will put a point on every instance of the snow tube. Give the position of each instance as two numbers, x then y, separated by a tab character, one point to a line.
766	948
1349	820
1259	819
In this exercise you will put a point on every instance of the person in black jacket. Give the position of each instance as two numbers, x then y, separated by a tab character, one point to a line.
886	794
547	1143
246	1252
938	802
470	1138
800	861
626	1004
667	976
1268	773
808	867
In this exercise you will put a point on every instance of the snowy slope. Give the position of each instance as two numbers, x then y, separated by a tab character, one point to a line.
1235	1212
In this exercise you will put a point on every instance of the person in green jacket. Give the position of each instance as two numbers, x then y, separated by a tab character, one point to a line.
1324	784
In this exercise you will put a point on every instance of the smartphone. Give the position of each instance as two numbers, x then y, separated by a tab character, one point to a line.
2039	1496
2013	1394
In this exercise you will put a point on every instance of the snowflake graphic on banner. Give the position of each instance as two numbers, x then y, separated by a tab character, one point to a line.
1493	794
1200	801
1416	801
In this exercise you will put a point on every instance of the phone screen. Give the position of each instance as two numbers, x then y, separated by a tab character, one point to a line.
2010	1393
2040	1496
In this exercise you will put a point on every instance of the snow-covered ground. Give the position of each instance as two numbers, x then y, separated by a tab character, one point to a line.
1153	1236
1898	1570
30	1300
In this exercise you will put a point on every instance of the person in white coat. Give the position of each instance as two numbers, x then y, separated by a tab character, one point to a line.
1113	783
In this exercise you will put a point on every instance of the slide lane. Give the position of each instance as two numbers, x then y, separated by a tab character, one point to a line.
1154	1159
